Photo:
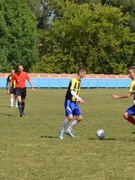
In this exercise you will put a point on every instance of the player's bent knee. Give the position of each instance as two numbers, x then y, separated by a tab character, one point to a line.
79	119
125	115
69	118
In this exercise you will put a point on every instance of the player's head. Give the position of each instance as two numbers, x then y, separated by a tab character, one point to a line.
131	72
12	71
81	72
20	68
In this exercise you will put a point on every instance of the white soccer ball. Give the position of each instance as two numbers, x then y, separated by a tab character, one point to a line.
100	133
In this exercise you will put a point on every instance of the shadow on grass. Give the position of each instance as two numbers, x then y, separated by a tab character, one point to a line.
113	139
96	139
48	137
5	106
9	115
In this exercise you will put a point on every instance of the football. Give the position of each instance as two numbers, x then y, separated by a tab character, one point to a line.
100	134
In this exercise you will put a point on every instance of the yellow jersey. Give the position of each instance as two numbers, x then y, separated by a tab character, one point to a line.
75	86
132	88
9	80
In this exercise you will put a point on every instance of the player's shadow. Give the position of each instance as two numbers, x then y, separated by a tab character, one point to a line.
9	115
48	137
105	139
113	139
129	140
4	106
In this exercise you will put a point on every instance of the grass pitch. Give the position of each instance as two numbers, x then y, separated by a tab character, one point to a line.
31	150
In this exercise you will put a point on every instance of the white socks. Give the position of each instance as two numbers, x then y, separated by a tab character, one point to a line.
16	102
11	102
73	124
64	124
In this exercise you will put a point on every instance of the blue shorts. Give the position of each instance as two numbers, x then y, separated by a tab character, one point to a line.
131	110
71	108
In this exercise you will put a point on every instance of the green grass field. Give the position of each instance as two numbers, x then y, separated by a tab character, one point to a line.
31	150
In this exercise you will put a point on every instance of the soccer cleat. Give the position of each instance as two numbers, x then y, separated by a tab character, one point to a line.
10	106
21	115
133	132
61	134
70	134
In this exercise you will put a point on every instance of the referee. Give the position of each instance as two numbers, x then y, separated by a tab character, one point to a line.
20	89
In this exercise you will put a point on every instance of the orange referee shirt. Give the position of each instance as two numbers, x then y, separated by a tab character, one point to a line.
20	79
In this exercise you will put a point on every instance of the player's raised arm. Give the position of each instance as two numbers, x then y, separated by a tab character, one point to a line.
114	96
130	112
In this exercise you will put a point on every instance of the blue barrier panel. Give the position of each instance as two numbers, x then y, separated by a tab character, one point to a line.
128	81
111	83
3	82
63	83
85	83
89	83
101	83
54	83
43	82
121	83
35	82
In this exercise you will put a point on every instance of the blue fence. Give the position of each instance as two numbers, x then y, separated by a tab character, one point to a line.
63	83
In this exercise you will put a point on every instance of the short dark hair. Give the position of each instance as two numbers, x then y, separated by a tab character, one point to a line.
132	67
81	69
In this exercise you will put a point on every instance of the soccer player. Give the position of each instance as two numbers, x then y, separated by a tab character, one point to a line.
20	77
12	89
130	112
72	100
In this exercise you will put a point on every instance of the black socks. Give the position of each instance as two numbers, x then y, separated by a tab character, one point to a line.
21	106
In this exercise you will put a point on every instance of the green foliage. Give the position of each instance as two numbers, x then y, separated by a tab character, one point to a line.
97	37
98	34
126	6
19	35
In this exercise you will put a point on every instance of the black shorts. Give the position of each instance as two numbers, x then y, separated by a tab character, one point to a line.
12	90
20	92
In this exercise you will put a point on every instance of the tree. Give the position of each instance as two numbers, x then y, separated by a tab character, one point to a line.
97	37
43	10
125	6
19	35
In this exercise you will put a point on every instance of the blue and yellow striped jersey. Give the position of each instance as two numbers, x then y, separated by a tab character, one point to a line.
75	86
9	80
132	88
